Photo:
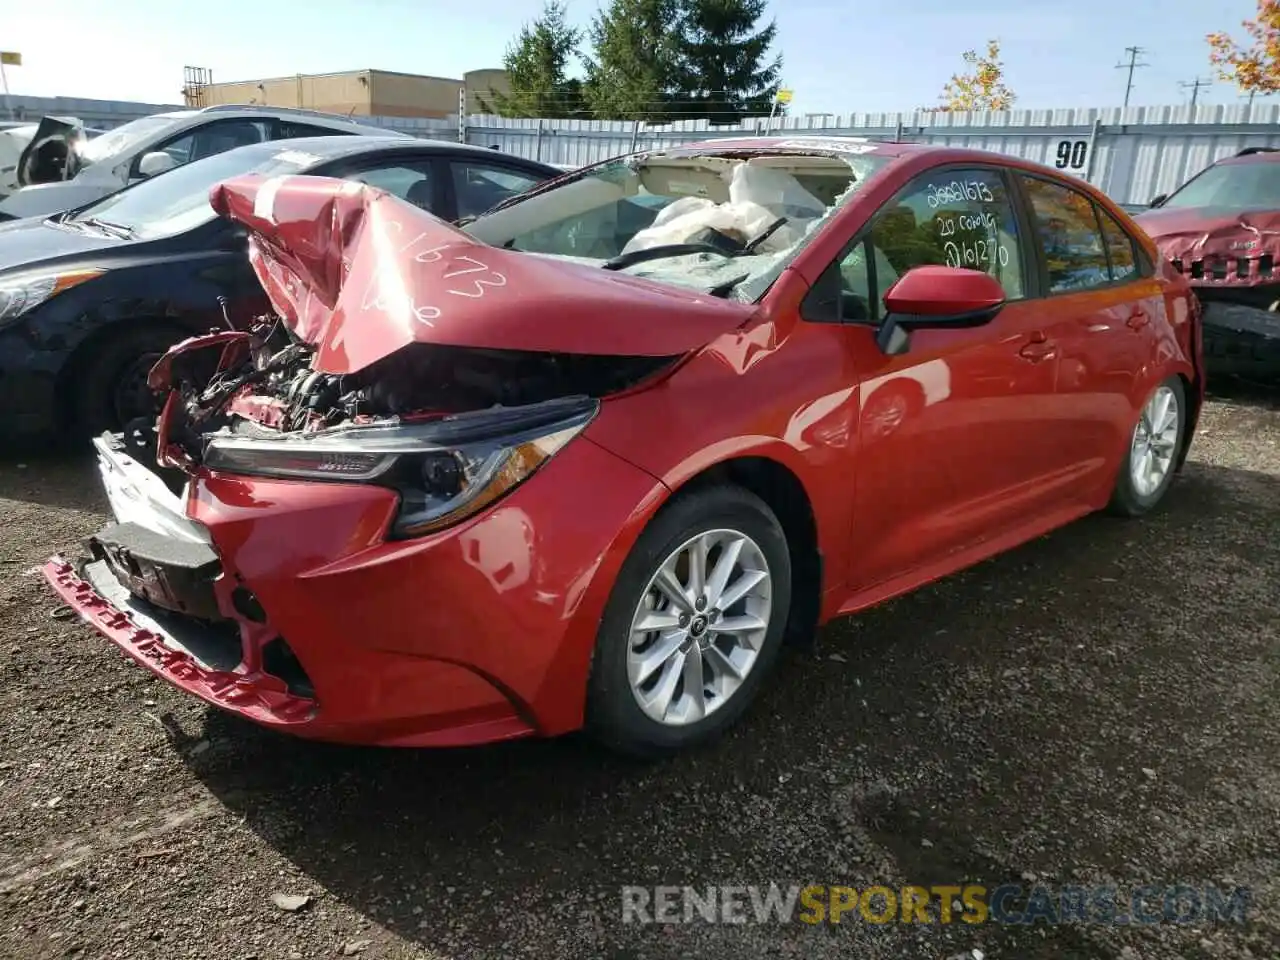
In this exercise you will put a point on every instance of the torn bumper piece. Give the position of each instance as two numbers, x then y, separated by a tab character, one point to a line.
183	653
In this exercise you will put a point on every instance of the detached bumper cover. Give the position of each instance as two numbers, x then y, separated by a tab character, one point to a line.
262	698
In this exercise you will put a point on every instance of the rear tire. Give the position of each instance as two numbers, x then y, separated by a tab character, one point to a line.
112	389
1151	459
708	676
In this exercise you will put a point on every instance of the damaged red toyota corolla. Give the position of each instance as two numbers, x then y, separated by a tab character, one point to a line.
594	458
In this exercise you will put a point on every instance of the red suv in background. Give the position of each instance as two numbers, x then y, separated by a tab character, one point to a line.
1222	230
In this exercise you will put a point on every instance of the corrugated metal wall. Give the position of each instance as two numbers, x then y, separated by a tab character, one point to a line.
1132	154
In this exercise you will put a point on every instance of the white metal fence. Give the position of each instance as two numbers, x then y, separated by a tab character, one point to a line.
1132	154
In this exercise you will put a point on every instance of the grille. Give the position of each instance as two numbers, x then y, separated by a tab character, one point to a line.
1223	269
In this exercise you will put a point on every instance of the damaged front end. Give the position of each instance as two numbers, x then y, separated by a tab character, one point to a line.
1232	261
450	429
343	396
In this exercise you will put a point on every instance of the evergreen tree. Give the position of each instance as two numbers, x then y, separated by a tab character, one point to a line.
537	64
634	67
725	71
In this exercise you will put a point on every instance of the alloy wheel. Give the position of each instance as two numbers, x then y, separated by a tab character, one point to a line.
1155	441
697	631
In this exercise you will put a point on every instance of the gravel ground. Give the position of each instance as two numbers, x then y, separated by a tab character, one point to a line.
1100	706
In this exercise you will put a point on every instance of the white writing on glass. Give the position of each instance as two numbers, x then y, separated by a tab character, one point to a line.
958	192
977	253
983	220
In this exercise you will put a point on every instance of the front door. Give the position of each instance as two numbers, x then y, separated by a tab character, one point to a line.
952	439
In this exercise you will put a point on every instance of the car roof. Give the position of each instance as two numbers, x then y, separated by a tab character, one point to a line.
239	111
1254	155
851	146
325	149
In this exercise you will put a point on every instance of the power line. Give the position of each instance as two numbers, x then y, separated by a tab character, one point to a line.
1194	86
1132	65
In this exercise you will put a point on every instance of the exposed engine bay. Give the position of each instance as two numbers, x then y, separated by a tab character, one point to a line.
262	383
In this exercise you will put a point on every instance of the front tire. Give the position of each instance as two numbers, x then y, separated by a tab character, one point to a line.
1149	464
693	625
112	390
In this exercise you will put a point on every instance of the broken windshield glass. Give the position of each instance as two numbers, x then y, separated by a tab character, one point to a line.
715	217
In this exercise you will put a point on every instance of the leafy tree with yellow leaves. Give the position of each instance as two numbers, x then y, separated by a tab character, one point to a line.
983	87
1255	68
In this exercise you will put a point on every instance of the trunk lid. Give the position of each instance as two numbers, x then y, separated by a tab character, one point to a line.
360	274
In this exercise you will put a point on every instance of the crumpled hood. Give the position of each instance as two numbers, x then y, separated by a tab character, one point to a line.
1208	233
361	274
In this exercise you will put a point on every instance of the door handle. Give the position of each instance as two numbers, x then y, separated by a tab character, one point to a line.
1138	319
1038	350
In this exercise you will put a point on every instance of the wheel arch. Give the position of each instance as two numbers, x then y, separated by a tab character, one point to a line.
786	495
70	378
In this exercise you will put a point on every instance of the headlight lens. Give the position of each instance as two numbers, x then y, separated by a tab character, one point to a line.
444	470
23	294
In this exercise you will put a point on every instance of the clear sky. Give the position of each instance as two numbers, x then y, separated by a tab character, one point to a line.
841	56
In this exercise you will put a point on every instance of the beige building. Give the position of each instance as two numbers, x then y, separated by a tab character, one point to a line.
361	93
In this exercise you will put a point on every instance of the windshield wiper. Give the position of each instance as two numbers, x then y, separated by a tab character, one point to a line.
727	248
662	252
724	289
106	226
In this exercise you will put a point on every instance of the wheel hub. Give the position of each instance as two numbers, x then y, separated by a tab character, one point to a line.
699	626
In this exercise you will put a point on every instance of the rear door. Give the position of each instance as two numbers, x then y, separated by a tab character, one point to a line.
951	447
1103	306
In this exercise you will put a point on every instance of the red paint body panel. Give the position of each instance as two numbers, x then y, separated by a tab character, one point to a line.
362	274
914	465
510	598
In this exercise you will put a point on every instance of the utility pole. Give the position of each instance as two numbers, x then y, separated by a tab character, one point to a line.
1194	86
1133	64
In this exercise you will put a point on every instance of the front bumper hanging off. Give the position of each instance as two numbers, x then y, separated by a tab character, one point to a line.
151	585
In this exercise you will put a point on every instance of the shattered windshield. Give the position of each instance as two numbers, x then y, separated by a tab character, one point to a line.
703	221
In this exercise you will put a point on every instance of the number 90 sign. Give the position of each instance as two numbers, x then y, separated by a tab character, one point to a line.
1072	156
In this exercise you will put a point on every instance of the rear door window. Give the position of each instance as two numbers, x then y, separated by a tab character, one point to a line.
288	129
1120	248
1070	235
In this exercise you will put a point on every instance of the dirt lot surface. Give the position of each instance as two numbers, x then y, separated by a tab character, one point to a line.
1100	706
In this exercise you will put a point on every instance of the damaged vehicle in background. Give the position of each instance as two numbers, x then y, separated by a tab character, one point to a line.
90	300
593	459
1222	230
61	169
17	141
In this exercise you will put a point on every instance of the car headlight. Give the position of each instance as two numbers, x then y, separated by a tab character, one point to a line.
444	470
25	293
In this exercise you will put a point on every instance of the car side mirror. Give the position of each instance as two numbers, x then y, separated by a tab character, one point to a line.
1159	200
937	297
153	163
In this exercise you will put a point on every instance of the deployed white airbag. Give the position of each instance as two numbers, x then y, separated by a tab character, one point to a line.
758	198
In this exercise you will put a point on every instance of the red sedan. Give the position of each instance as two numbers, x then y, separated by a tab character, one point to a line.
594	458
